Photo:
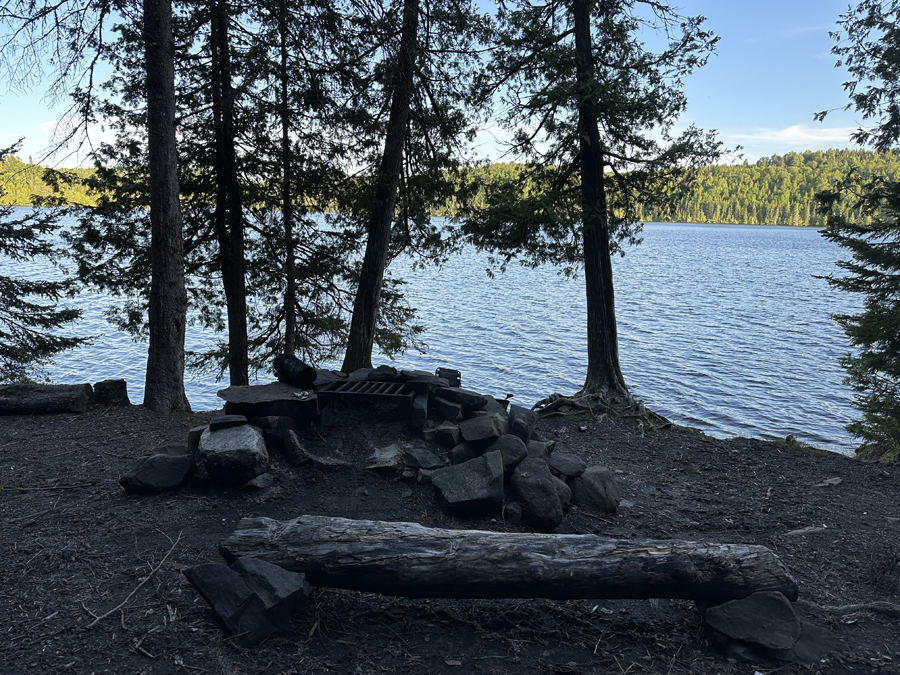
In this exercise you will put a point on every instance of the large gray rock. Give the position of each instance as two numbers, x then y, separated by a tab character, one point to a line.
596	489
241	610
281	591
522	422
471	488
423	382
535	488
566	465
469	400
421	458
765	618
167	467
233	456
511	448
253	598
111	392
483	428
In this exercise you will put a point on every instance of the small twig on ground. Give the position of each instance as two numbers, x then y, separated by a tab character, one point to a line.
136	588
138	647
674	656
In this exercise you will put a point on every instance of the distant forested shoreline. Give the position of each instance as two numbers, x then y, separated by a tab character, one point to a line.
776	190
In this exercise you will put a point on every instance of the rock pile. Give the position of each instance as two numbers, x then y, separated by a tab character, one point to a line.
229	451
488	459
499	465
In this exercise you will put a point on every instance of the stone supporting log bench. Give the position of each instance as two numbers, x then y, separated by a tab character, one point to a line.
410	560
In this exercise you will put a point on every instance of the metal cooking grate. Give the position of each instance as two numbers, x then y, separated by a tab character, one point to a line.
378	392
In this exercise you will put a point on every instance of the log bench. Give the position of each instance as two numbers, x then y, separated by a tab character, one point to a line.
411	560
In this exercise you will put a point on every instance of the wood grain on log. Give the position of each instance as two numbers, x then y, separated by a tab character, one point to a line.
415	561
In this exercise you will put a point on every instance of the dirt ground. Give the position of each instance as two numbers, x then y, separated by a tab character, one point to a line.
75	547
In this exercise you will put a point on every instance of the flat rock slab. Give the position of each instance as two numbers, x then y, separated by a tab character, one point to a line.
24	399
275	399
471	488
167	467
765	618
483	428
226	421
253	598
470	400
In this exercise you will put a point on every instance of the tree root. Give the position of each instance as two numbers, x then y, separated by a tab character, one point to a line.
557	405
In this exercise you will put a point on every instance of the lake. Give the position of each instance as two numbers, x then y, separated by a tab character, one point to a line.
721	327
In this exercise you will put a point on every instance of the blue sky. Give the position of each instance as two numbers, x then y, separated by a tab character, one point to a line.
774	70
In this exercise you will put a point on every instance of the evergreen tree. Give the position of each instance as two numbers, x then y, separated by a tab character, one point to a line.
591	110
304	100
868	44
29	311
429	56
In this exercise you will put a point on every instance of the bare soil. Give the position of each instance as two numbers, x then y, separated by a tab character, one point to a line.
75	546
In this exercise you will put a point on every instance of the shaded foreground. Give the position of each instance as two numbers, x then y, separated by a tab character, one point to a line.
75	546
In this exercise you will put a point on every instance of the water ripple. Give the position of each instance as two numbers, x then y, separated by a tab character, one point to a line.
724	328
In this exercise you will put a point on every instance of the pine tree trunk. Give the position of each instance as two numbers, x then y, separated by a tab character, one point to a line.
604	375
229	213
368	295
287	207
164	386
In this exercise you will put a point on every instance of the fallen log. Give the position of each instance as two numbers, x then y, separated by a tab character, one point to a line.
24	399
415	561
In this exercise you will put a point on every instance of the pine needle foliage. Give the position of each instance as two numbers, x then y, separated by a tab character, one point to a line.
868	45
29	308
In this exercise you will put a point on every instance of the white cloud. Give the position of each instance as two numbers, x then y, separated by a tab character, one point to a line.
795	134
764	142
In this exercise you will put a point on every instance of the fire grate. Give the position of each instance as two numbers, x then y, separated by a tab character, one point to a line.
396	393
